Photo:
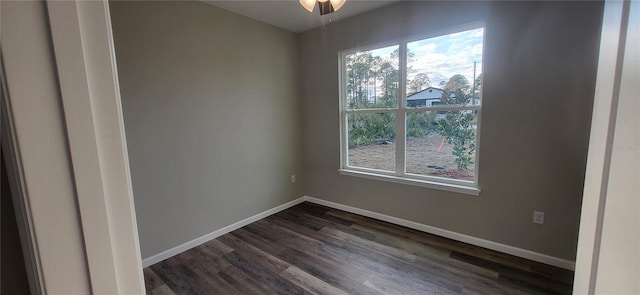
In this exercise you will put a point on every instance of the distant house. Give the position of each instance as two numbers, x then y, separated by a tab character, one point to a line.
425	98
430	97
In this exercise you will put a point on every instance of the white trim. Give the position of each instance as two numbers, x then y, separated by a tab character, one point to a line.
371	111
401	114
535	256
18	189
439	108
90	96
441	185
80	121
219	232
46	185
611	61
479	111
380	45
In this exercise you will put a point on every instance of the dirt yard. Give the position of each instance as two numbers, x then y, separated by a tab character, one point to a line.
425	156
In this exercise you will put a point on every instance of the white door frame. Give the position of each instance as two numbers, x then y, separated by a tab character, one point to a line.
17	188
608	183
67	148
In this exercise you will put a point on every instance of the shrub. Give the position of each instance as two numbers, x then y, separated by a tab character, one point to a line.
421	124
367	129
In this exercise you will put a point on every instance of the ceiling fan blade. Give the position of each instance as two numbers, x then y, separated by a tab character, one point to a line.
308	4
337	4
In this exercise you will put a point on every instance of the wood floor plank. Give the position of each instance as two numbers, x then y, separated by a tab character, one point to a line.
352	229
181	280
268	246
310	283
320	263
215	247
214	284
526	280
380	248
299	228
151	280
330	250
444	264
426	279
205	261
335	250
343	277
293	217
311	208
418	253
409	245
254	254
313	249
161	290
263	275
433	240
244	282
282	232
442	254
564	276
436	264
389	287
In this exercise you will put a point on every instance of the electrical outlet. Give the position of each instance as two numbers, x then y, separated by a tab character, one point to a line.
538	217
293	178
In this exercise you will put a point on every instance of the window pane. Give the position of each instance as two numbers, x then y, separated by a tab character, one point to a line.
445	70
442	144
372	141
372	79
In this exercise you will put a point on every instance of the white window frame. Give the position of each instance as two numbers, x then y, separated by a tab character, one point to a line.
400	175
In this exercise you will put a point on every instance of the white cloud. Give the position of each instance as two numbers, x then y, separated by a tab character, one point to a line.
448	55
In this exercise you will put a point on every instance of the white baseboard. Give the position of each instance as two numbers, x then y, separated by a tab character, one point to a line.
210	236
535	256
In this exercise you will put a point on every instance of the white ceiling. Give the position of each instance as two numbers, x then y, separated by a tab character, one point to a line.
291	16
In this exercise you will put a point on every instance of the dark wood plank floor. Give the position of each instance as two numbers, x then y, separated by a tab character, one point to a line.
311	249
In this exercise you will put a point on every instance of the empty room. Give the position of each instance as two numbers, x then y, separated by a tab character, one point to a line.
324	147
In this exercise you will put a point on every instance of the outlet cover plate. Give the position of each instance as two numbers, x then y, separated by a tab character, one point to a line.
538	217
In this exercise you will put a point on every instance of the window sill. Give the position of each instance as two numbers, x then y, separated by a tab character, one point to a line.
416	182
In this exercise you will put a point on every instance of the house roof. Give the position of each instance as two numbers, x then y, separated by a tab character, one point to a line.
428	93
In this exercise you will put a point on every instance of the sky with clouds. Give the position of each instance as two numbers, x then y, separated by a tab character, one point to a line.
444	56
